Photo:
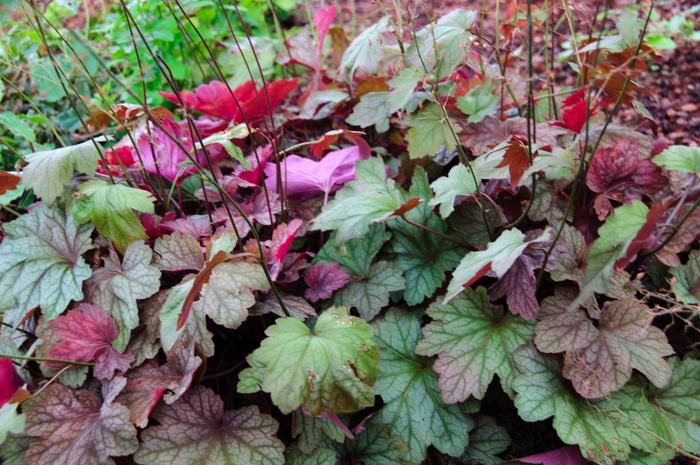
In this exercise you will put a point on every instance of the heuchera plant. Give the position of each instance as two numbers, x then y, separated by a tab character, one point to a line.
246	278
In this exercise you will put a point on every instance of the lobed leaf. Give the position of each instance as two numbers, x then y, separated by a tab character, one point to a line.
69	428
473	341
112	209
541	393
328	370
409	388
42	263
197	430
118	285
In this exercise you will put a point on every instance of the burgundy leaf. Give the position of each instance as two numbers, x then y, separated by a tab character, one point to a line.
146	384
519	286
292	264
10	380
620	174
305	178
323	279
87	335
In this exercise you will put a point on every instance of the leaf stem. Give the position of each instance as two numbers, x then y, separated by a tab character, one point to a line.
437	233
43	359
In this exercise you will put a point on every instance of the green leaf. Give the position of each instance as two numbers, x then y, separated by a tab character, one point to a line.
409	388
430	131
17	126
372	109
370	293
370	198
423	255
444	44
498	257
615	236
239	131
11	421
117	286
328	370
374	446
543	393
170	312
630	26
294	456
47	172
42	263
197	430
250	379
687	283
111	207
371	284
680	158
458	182
228	295
402	84
366	51
645	423
487	440
479	102
377	107
473	341
356	255
679	402
312	430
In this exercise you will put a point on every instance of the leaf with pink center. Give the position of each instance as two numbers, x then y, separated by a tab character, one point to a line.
87	335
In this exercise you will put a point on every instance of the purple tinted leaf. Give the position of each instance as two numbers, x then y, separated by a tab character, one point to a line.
323	279
196	429
70	428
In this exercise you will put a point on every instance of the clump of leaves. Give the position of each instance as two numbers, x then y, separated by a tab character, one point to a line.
249	279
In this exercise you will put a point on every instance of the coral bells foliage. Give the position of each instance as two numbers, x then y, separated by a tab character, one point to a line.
257	281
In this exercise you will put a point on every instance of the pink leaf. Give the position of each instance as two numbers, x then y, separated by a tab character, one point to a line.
306	178
10	381
569	455
323	279
323	18
88	334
